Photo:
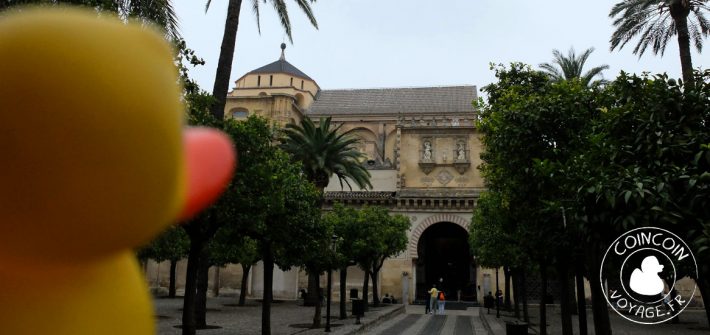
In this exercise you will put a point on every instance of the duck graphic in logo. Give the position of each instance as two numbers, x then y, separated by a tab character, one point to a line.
646	281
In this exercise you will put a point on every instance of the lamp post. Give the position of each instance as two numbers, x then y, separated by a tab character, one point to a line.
330	283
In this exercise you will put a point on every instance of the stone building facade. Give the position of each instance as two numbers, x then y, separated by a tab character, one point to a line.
422	149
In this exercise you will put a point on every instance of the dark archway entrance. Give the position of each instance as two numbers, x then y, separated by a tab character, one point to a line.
444	258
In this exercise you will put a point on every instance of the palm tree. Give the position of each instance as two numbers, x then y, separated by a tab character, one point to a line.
160	12
656	21
226	54
566	68
324	151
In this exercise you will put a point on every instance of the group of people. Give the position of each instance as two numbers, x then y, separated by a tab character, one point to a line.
437	299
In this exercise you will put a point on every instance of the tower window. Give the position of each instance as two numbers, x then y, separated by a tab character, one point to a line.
271	80
301	84
258	80
291	82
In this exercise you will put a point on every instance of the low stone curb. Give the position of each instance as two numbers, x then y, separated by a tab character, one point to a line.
364	326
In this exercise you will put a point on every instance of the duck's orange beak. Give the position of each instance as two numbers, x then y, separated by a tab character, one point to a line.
211	159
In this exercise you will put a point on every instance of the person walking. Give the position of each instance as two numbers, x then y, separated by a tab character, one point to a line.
441	301
433	295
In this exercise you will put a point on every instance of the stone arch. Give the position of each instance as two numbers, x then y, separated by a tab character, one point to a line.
428	222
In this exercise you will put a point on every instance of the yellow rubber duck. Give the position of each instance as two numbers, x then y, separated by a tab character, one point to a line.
94	161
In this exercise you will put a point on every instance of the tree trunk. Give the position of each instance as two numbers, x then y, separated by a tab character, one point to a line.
679	13
312	295
581	300
226	57
243	289
171	286
543	298
317	315
268	259
704	287
599	305
375	294
201	297
565	301
216	284
506	301
524	294
365	290
193	264
343	289
516	291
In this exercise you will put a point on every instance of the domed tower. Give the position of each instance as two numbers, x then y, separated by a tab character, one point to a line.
278	91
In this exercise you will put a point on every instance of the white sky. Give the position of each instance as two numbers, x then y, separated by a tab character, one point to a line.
405	43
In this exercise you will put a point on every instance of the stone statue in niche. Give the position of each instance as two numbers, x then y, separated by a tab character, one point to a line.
455	122
427	150
461	152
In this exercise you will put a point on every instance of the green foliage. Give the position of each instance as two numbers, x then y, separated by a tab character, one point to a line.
172	245
490	237
270	200
160	13
325	151
344	221
281	12
379	236
571	67
654	22
230	247
648	161
530	127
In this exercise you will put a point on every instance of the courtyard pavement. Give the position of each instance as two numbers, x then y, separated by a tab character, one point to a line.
287	317
692	322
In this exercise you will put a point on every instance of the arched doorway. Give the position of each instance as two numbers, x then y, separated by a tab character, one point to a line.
444	258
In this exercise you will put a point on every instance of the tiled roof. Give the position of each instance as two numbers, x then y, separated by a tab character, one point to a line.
420	100
281	66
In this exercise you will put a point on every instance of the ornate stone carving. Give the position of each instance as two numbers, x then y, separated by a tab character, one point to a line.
444	177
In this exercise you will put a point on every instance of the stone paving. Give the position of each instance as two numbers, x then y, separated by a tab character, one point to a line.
692	322
414	321
287	317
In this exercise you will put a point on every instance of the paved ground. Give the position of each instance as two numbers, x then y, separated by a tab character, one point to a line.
693	322
414	321
287	317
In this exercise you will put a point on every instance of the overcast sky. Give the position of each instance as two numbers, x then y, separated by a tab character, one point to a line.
413	43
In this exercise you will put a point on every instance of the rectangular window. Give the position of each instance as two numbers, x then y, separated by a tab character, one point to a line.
271	80
258	80
301	84
291	81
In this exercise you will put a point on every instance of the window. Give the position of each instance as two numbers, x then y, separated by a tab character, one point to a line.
239	113
271	80
258	81
301	84
291	81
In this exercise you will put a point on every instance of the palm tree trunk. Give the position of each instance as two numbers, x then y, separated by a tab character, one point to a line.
679	13
343	288
242	290
226	57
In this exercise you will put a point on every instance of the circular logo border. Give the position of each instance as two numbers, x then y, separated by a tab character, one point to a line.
606	294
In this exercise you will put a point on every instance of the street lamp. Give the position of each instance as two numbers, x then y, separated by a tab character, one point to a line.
334	239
